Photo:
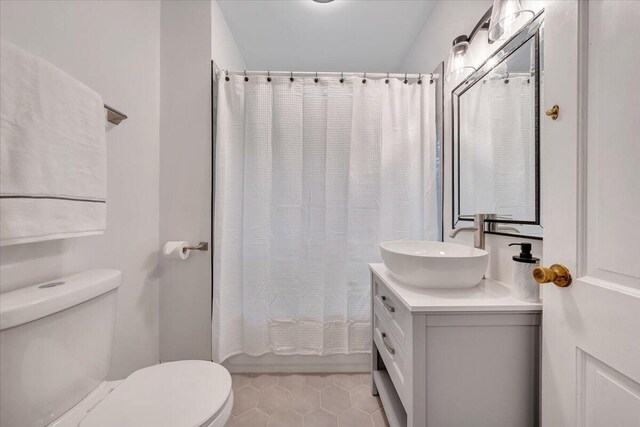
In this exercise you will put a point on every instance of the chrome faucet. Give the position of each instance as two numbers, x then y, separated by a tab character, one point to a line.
479	231
477	228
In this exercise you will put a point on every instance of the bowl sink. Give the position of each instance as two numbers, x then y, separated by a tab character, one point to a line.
434	264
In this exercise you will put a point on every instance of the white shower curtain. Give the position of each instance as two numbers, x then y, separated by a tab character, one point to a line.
497	124
309	179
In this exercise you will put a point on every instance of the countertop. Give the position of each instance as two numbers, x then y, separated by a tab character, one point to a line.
488	295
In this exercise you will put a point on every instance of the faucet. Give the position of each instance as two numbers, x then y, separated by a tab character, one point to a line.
477	228
499	228
479	231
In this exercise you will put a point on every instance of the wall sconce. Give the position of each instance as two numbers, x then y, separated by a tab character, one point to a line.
502	20
460	61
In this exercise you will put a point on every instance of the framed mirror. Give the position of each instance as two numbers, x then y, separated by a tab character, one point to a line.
496	138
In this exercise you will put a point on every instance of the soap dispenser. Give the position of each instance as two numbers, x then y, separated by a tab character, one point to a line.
524	285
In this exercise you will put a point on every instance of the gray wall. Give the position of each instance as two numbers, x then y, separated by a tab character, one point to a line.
185	177
191	32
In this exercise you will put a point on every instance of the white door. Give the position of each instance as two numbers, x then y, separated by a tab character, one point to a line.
591	169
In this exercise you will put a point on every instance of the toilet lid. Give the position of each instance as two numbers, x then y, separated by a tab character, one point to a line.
186	393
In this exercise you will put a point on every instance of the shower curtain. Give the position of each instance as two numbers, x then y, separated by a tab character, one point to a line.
309	178
497	124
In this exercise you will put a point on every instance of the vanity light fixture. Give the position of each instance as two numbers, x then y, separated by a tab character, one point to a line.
507	17
460	61
323	1
503	19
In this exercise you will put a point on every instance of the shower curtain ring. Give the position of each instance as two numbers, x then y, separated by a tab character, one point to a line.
226	75
268	76
405	78
341	77
246	79
364	80
291	78
387	79
316	79
420	78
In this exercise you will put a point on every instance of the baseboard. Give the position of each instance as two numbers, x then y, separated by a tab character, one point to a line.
272	363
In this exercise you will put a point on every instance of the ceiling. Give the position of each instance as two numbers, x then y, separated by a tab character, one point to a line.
344	35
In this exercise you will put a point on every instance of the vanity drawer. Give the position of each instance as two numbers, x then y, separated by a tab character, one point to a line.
392	353
393	311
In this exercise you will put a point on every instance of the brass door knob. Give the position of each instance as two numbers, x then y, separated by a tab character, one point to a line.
557	273
553	112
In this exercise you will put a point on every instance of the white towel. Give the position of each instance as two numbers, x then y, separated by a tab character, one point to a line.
52	152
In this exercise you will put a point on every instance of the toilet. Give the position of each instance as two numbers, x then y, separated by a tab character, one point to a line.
55	350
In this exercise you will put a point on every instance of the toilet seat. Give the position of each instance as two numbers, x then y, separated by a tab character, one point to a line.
185	393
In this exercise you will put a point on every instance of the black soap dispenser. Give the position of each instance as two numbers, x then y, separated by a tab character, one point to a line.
524	285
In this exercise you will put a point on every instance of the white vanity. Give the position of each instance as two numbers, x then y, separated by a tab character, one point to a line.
454	357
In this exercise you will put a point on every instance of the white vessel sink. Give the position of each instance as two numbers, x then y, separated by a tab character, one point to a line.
434	264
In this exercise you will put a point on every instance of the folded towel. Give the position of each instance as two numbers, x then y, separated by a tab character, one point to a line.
52	152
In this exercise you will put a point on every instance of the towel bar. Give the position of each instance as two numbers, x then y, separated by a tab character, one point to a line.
114	116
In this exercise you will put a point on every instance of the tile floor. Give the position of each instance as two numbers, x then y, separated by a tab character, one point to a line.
309	400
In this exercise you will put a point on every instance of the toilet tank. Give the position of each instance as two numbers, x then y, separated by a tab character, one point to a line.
55	345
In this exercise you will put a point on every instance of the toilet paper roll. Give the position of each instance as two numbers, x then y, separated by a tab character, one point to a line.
176	250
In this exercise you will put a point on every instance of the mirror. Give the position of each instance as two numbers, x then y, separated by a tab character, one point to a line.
496	138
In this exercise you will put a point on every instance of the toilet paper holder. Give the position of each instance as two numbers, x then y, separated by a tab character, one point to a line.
202	246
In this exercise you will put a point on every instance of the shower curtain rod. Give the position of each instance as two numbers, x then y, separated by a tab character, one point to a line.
508	76
330	74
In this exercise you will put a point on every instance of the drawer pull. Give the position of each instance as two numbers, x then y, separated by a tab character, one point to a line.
387	305
384	341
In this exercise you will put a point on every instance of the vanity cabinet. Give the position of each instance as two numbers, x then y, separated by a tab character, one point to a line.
454	358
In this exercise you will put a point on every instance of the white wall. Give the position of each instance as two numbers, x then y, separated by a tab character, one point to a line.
185	178
138	55
224	50
448	20
113	47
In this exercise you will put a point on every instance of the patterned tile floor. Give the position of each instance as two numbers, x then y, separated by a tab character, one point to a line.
309	400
